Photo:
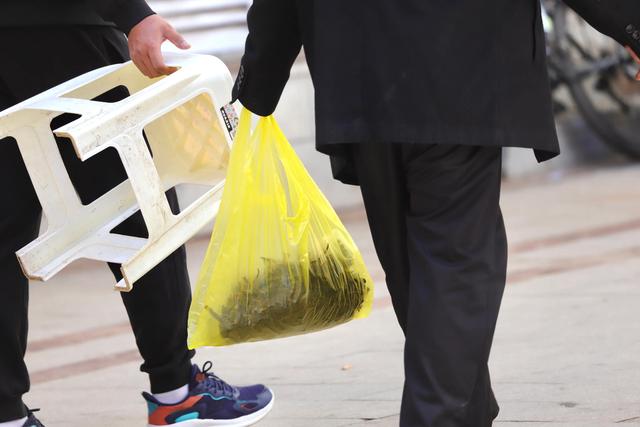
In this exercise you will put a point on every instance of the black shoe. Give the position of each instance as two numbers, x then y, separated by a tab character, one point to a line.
32	421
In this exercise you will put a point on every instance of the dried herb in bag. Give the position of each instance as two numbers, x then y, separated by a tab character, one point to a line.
270	304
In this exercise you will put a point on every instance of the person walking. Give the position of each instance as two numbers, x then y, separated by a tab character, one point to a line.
414	100
45	43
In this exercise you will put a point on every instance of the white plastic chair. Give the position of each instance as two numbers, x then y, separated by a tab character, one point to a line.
189	136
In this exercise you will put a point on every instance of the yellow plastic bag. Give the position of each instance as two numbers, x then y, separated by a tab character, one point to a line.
280	261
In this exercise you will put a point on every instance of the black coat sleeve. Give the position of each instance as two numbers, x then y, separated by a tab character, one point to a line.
126	14
273	43
619	19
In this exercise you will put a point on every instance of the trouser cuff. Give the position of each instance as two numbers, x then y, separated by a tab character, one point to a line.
12	410
162	382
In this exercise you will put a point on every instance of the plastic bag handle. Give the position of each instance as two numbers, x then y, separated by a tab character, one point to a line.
268	142
244	127
294	169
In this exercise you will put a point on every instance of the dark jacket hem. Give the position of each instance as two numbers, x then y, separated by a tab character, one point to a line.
343	169
541	140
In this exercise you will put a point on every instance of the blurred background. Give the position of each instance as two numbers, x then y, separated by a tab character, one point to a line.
567	345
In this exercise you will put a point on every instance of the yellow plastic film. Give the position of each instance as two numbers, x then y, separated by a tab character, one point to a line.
280	261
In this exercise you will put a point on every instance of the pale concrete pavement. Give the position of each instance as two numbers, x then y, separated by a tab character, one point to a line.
566	353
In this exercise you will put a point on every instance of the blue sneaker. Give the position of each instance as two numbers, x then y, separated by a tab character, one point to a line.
212	402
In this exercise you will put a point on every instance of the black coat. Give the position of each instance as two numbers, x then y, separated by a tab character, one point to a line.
465	72
124	14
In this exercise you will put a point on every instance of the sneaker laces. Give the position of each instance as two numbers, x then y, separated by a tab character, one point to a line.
215	384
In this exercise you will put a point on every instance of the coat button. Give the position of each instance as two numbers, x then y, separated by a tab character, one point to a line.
630	28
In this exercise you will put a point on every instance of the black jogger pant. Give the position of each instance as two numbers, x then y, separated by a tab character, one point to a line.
35	59
437	227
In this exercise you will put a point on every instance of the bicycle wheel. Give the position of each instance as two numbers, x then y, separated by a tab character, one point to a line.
600	76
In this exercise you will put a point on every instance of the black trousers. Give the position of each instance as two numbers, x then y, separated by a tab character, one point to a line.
36	59
437	227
